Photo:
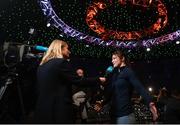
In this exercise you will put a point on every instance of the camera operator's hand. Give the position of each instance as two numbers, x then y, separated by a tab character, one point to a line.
154	111
102	79
98	106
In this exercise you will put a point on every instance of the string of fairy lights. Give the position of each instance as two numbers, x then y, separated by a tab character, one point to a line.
20	16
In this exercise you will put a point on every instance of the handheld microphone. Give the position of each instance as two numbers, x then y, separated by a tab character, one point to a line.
41	48
109	70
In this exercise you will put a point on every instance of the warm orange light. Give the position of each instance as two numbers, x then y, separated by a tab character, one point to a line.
110	34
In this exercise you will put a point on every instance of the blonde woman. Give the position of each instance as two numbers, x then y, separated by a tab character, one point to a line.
55	79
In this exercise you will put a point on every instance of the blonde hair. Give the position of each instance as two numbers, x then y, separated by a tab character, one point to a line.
54	51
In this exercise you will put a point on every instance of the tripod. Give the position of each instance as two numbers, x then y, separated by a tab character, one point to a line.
11	77
3	88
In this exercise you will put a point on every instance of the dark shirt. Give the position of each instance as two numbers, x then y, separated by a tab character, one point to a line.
54	103
120	89
172	112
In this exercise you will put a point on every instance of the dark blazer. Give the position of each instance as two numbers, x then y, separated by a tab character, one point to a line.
54	103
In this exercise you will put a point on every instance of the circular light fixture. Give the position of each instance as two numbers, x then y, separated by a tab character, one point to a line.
69	31
150	89
48	25
105	33
177	42
148	49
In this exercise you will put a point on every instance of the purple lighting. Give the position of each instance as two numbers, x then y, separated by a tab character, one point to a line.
69	31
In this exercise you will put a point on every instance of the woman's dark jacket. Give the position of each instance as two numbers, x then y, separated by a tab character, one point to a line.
54	103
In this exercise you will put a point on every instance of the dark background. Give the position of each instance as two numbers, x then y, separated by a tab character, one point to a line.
157	68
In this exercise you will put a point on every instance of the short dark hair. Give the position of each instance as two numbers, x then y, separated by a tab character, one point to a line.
121	55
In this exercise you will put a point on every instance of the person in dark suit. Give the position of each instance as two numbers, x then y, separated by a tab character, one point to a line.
55	79
172	112
171	105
